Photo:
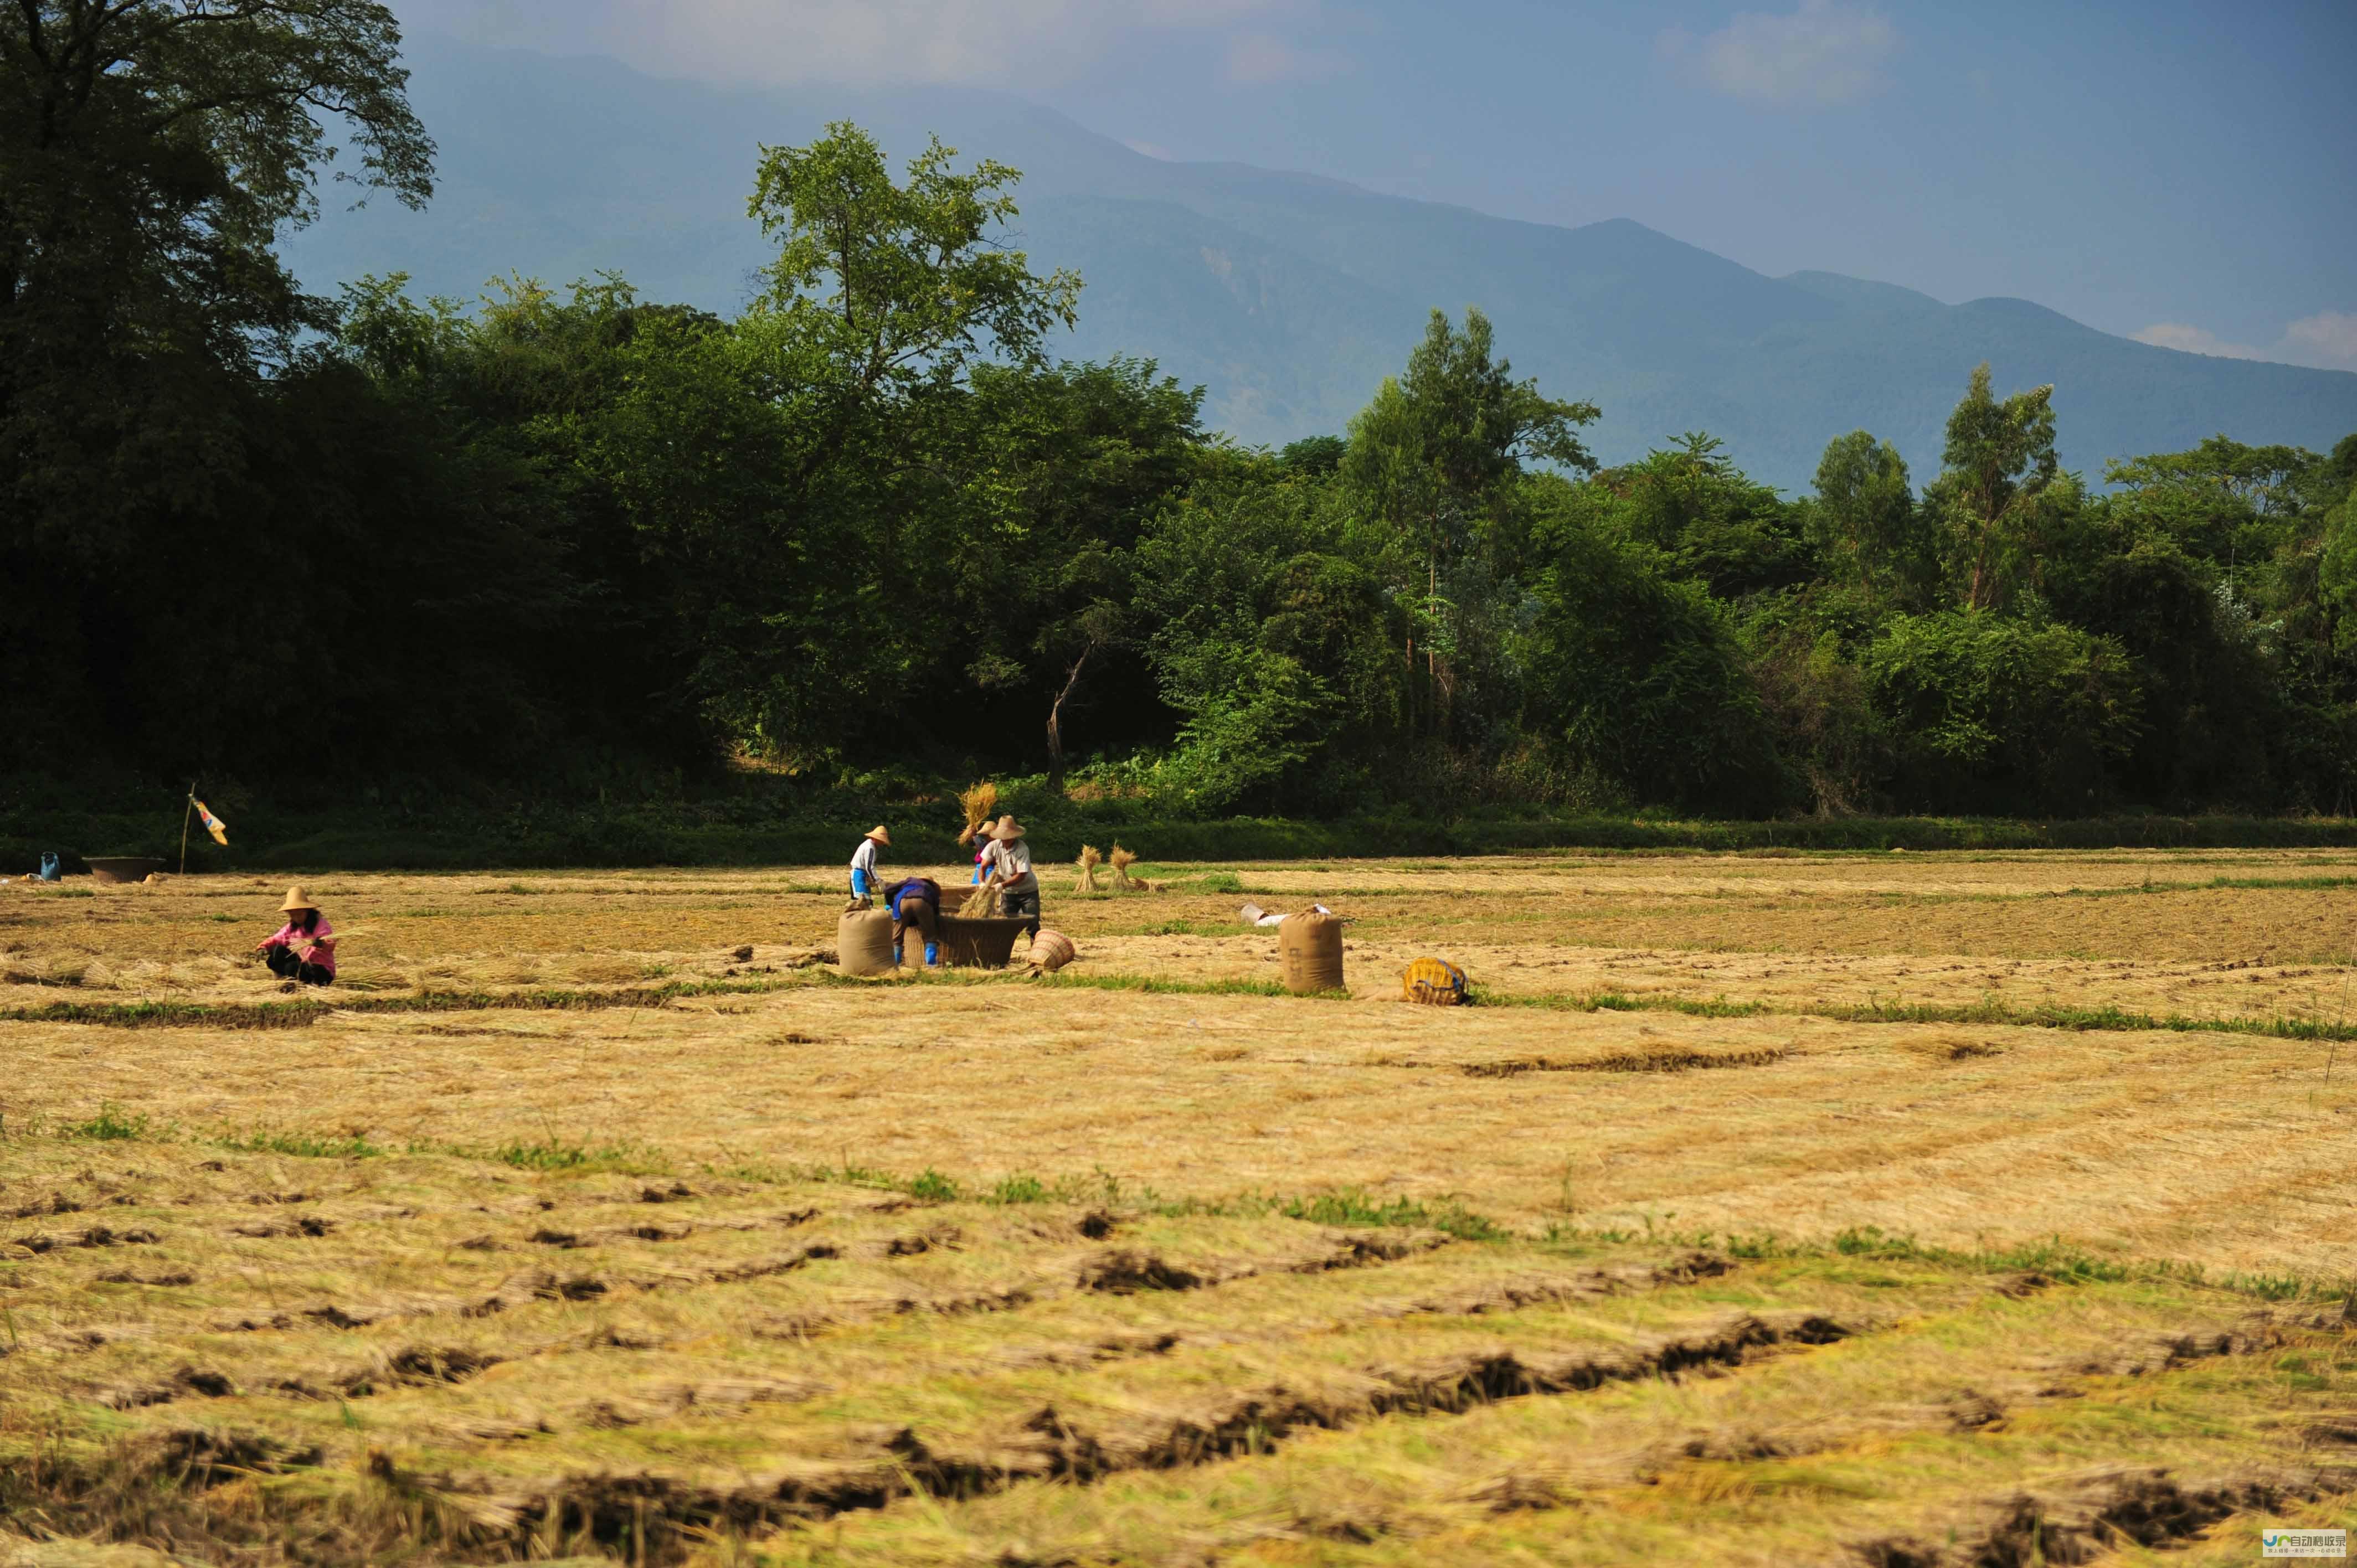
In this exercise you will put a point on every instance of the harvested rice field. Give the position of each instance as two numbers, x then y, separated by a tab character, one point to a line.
1867	1209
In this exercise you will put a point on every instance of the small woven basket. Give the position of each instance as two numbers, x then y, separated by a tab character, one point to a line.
1433	982
1052	951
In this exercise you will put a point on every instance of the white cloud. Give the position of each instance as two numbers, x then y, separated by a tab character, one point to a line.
1827	52
2191	339
2329	338
1011	43
2325	341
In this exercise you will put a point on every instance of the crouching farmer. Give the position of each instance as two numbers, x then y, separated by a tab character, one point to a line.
916	904
305	947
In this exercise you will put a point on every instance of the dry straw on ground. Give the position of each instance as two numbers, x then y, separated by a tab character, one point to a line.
546	1261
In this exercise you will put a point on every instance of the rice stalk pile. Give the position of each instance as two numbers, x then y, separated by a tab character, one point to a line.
982	902
1088	865
1122	882
978	802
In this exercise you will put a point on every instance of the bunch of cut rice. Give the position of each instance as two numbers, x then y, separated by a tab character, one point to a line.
978	802
1122	882
982	902
1088	865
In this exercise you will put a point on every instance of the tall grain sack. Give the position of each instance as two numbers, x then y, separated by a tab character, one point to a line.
863	942
1309	953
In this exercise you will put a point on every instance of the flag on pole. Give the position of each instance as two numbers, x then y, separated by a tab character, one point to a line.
213	826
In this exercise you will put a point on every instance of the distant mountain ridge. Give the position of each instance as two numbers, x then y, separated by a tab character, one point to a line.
1287	297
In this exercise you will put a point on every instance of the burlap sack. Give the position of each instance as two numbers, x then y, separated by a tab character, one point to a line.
1309	953
863	942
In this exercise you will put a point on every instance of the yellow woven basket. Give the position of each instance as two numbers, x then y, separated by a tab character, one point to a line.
1435	983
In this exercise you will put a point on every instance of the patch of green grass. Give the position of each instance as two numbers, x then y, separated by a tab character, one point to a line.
305	1011
1352	1206
304	1145
1015	1189
110	1125
1988	1011
931	1187
1153	985
553	1154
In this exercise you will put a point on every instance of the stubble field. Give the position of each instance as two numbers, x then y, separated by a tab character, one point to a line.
1893	1209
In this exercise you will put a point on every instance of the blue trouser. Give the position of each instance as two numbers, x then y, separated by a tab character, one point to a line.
863	886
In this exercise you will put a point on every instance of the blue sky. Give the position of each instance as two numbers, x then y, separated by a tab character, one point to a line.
2182	173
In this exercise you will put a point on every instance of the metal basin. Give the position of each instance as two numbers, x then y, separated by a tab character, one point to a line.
122	867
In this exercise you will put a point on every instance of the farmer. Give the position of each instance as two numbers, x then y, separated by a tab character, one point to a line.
916	902
1010	861
305	947
864	884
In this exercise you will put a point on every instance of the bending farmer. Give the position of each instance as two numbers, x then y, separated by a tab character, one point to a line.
916	902
864	884
305	947
1011	861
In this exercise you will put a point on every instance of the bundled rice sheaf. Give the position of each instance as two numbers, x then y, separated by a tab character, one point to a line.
978	802
1122	882
1088	863
982	902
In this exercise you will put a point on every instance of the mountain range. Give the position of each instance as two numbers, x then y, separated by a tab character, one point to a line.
1287	297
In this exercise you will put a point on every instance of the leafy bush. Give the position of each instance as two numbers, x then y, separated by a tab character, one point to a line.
2003	714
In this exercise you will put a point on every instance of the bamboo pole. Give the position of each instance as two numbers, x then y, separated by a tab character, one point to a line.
187	811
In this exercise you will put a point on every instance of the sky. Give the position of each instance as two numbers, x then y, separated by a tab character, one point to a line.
2184	174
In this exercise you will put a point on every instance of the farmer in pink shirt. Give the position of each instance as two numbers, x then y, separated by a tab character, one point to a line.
305	947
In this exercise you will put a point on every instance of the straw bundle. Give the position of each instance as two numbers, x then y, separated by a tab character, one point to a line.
982	902
1088	865
1122	882
977	803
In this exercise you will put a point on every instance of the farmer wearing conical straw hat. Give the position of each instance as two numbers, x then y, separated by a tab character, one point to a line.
305	947
1010	861
865	882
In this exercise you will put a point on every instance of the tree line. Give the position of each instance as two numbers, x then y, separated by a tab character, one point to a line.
871	526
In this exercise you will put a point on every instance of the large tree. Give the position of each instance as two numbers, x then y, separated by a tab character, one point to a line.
1999	477
150	153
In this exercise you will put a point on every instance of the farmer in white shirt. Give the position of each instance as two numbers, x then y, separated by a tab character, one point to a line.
1010	860
866	884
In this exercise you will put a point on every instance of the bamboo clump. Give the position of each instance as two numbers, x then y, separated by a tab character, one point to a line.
978	802
1088	865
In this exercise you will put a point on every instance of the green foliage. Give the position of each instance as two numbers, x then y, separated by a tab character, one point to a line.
1865	525
486	564
110	1125
1993	494
1639	675
931	1187
2024	713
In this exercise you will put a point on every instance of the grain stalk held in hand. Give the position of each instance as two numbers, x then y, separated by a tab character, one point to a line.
982	902
977	803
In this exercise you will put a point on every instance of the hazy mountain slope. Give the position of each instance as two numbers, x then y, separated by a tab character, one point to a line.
1287	296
